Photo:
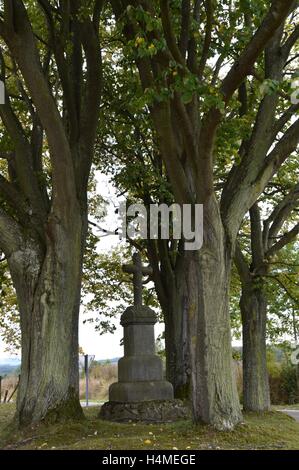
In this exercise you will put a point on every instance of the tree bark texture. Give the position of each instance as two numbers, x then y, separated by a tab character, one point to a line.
253	305
214	393
47	284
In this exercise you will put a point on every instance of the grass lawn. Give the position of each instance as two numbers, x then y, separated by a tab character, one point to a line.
287	407
272	430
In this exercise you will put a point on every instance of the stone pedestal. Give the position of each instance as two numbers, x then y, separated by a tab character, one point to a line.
155	411
141	393
140	372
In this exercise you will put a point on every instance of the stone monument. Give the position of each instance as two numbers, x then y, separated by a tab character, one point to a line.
141	392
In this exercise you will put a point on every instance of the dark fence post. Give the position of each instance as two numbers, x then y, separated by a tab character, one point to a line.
0	388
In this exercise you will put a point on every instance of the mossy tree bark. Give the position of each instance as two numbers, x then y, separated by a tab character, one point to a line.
256	391
47	284
43	221
266	241
169	270
214	395
177	339
253	305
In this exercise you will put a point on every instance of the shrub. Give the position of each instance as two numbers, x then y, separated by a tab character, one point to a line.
289	383
283	384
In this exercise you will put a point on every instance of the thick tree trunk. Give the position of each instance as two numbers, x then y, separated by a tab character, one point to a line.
178	369
253	304
47	284
214	392
172	291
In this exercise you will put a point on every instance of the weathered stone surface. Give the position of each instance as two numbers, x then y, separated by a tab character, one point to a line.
140	371
140	391
139	338
135	368
138	314
160	411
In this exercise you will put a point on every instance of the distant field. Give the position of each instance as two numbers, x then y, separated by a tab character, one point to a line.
7	369
101	375
8	385
100	378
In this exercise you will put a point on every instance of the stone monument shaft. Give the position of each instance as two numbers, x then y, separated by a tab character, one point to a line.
140	371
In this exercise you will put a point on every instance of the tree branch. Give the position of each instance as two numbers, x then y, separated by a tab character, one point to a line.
162	119
294	299
208	37
92	95
284	240
17	32
281	212
256	236
247	180
169	34
185	27
14	199
26	178
11	238
242	67
287	144
284	119
191	62
290	42
241	265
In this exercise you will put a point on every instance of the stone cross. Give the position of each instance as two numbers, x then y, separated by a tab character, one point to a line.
138	270
140	370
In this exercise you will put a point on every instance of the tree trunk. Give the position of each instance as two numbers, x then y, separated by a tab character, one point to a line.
171	288
47	283
214	392
253	304
176	335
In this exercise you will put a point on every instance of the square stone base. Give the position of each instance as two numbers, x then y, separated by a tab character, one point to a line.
140	391
156	411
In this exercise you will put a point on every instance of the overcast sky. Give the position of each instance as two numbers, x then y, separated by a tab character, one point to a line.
105	346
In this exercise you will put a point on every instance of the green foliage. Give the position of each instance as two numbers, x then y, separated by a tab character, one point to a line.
282	375
9	316
283	294
107	290
128	146
289	383
237	355
129	143
104	287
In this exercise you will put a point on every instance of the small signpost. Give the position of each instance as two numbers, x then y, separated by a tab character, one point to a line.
84	363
